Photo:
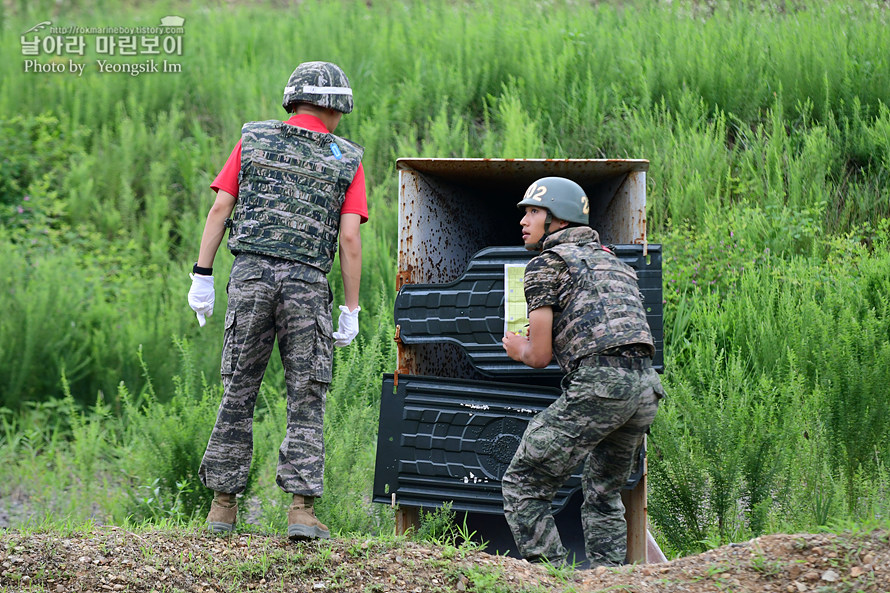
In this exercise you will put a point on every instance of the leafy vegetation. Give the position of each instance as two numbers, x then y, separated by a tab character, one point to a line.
767	126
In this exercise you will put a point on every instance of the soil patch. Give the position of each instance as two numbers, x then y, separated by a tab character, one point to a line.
114	559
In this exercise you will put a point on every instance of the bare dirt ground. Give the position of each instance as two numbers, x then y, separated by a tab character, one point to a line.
114	559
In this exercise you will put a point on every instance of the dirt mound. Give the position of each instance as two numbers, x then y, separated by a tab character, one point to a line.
114	559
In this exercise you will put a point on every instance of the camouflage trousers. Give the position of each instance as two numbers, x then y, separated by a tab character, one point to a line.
600	419
269	298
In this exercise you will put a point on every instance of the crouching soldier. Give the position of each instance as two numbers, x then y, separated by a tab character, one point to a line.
586	309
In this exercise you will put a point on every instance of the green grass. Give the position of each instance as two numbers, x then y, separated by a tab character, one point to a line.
767	127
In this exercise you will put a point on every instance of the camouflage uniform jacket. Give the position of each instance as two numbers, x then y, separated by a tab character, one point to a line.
292	185
596	300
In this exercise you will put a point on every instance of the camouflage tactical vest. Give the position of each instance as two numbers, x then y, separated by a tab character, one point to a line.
602	304
290	190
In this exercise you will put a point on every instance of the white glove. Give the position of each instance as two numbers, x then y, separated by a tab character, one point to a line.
201	296
347	326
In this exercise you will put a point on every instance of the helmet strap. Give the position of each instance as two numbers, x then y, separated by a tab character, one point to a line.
539	246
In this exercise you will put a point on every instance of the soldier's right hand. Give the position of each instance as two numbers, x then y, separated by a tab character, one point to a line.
201	296
347	326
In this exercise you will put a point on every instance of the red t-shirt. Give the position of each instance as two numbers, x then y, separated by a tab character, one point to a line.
356	201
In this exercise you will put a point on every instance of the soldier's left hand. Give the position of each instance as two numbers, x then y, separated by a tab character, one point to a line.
513	344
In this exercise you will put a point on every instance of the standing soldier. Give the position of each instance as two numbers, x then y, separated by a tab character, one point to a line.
295	188
586	309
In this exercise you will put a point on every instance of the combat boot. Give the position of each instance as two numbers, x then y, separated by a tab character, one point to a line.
301	521
223	513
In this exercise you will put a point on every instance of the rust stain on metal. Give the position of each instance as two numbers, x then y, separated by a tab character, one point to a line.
642	238
405	359
404	277
397	338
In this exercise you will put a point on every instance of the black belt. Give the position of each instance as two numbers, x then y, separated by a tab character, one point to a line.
637	363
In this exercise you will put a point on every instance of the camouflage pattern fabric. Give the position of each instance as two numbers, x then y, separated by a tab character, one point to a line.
318	83
597	294
608	401
291	187
271	298
600	419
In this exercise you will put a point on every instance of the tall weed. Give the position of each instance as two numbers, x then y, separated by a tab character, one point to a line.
777	407
164	443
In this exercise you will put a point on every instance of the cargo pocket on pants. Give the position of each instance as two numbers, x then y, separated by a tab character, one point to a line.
545	448
229	357
322	370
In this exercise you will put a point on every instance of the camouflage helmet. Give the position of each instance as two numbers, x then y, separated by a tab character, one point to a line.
562	197
319	83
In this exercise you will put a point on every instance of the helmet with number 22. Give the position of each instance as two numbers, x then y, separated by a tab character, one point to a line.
562	197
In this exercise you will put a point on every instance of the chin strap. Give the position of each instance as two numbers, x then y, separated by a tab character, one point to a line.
539	246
